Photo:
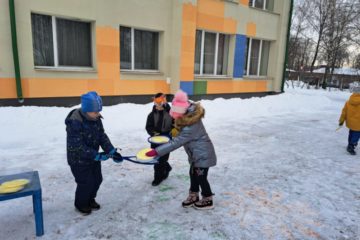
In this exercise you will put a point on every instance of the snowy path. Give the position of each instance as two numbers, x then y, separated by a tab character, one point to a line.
282	173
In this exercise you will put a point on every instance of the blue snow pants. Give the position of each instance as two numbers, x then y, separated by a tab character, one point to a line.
88	179
353	137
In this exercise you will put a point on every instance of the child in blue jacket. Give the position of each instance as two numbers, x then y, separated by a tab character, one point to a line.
85	135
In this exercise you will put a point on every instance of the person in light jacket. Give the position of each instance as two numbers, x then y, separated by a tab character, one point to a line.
198	146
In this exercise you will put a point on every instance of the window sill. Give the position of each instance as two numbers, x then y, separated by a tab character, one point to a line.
264	10
212	77
142	72
65	69
256	77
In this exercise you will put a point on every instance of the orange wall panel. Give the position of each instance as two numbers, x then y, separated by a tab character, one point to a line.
229	86
211	7
244	2
108	61
7	88
189	18
189	12
188	29
187	59
261	86
230	26
107	36
141	87
109	54
108	71
188	44
187	73
209	22
251	29
45	87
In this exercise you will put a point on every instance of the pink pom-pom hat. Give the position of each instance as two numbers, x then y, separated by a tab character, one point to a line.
179	104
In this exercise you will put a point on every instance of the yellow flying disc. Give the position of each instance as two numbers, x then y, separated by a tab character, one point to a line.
159	139
10	189
142	156
15	183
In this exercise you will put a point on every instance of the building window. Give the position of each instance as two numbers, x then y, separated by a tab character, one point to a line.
211	53
262	4
139	50
257	57
60	42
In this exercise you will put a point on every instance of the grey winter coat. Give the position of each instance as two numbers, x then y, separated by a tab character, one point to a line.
193	137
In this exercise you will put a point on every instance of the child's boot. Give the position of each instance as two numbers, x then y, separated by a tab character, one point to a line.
204	203
157	180
191	199
351	149
167	169
83	210
158	176
94	205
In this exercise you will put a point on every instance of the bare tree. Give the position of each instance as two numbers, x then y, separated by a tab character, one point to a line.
342	14
356	25
300	55
298	27
317	21
356	63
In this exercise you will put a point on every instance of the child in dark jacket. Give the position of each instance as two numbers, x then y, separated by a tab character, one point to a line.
351	114
85	135
159	122
198	146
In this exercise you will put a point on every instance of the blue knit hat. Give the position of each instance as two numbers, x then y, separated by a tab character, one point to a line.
91	102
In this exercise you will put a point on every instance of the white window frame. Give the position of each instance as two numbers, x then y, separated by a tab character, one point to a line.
132	42
55	48
253	4
215	55
249	58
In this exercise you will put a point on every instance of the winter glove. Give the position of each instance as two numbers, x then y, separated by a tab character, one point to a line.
151	153
101	157
117	157
341	123
174	132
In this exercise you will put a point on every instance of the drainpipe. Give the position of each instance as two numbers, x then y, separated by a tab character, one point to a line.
287	45
15	51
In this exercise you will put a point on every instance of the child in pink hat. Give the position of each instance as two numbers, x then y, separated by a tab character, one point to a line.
198	146
179	105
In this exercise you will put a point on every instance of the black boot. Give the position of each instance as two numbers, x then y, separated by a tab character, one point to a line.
158	177
167	169
94	205
351	149
156	181
83	210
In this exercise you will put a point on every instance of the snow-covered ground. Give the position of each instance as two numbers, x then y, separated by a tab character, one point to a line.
283	173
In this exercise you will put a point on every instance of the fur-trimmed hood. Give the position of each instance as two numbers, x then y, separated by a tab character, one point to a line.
194	114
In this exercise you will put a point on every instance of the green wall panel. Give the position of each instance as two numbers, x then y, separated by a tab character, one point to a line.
200	87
